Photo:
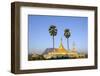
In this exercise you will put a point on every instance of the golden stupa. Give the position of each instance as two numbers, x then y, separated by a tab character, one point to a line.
56	51
61	51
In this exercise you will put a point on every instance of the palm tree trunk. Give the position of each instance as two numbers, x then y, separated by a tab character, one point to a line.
68	43
53	42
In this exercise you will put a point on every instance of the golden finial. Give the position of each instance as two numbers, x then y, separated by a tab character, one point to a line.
61	39
61	46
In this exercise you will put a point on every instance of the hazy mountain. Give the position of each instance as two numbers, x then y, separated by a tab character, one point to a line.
48	50
36	51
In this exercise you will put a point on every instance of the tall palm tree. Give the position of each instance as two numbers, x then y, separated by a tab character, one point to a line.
67	34
53	32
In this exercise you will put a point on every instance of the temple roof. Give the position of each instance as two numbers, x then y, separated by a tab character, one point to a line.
60	50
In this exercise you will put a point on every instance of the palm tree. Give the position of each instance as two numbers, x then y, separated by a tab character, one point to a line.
67	34
53	32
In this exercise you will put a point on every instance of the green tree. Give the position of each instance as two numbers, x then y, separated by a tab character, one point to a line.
53	32
67	34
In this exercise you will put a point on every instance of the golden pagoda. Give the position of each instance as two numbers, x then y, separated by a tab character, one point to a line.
56	51
62	52
61	49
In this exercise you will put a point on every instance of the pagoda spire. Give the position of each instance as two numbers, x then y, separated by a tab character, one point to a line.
73	44
61	39
61	45
74	47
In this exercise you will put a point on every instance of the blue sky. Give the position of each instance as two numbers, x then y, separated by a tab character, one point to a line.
39	38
